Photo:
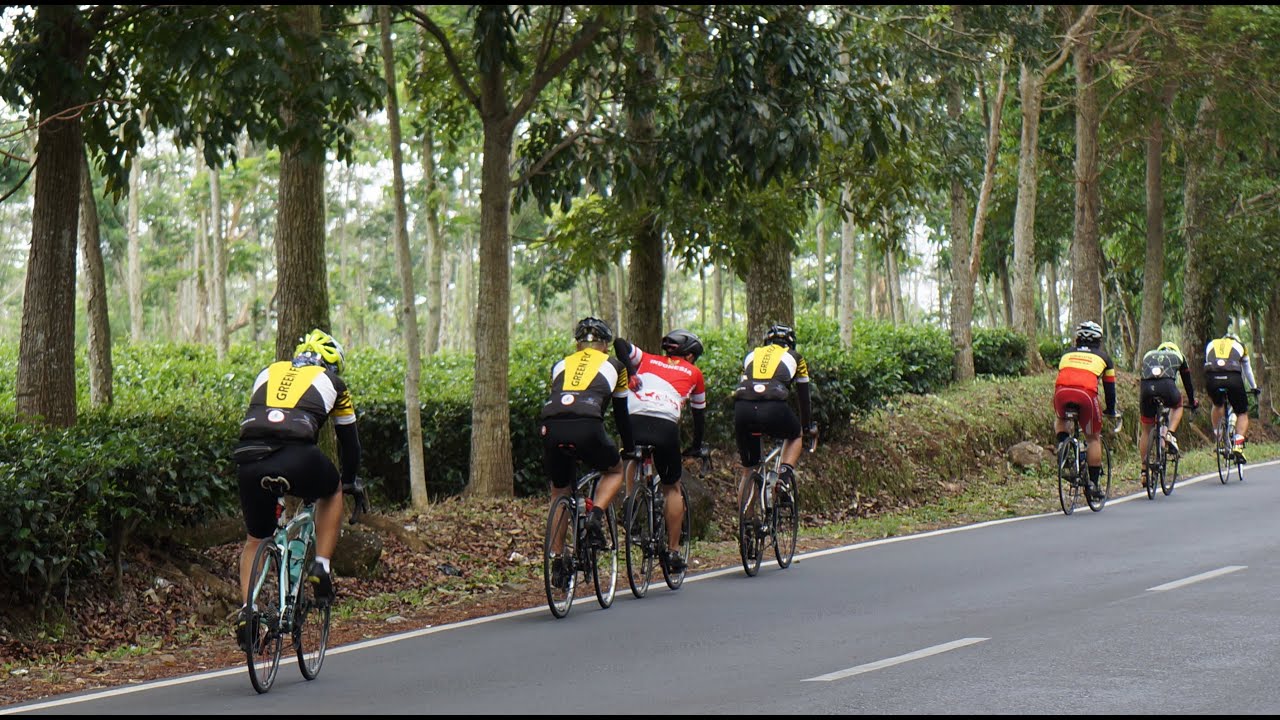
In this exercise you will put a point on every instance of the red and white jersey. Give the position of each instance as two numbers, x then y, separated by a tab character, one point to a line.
665	384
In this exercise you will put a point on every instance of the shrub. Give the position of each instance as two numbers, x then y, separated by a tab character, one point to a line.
999	351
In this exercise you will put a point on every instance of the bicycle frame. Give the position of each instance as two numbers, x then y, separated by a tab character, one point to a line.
303	524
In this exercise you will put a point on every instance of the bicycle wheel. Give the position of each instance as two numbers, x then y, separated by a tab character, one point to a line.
559	571
604	563
1168	478
639	528
750	521
674	579
1104	482
266	640
1151	462
311	626
786	520
1222	448
1068	478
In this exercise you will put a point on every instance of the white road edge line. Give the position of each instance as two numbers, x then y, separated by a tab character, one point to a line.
889	662
540	608
1197	578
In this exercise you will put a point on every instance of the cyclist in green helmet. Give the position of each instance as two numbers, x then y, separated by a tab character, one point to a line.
1160	371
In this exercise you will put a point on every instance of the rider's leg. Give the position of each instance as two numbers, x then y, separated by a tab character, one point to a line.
1242	425
610	484
674	508
1216	418
250	549
328	526
1175	418
791	451
1093	454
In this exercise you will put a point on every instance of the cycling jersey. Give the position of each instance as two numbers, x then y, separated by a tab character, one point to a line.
291	404
768	371
1082	368
582	383
1227	355
1160	372
665	384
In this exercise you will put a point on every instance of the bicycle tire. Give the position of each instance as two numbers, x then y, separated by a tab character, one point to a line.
1068	478
560	599
311	624
750	520
639	531
263	653
1096	504
674	579
604	563
786	520
1151	462
1168	480
1222	448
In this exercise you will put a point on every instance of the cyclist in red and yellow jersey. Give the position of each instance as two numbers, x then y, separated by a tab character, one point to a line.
1079	372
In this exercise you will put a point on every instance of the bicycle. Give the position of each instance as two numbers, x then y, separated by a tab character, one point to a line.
1157	457
646	524
776	519
1073	467
1224	445
281	602
567	529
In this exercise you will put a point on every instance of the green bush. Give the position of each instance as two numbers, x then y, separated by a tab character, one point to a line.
1052	350
999	351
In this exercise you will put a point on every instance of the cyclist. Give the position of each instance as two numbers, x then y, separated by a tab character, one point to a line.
1079	372
1160	369
289	404
660	387
572	424
1226	368
760	402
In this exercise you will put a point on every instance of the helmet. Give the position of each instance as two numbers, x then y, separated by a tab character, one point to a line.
319	348
1088	333
781	335
682	342
1170	346
592	330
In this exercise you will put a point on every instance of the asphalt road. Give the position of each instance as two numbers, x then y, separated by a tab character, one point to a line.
1164	606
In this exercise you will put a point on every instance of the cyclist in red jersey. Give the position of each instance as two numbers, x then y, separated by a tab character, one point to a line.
1079	372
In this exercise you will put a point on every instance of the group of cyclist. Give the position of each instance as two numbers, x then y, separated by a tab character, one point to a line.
1228	379
647	393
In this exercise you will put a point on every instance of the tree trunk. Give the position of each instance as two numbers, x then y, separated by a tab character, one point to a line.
847	262
961	276
199	275
718	315
408	293
46	379
217	282
644	296
1152	320
302	291
1055	312
1267	401
1086	287
1197	318
1006	291
769	297
822	258
100	367
609	300
1024	241
134	281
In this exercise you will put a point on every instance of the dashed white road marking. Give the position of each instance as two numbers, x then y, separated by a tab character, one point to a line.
890	662
1196	578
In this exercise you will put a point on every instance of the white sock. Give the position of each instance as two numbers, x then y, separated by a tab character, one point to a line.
324	562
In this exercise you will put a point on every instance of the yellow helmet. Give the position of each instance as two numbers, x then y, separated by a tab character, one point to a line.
1170	346
319	348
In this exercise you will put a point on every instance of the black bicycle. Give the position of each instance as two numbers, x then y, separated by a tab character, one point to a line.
645	524
1073	467
1157	457
1224	445
567	549
769	512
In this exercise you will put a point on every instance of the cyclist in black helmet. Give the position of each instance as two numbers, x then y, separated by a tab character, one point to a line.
572	422
760	400
660	388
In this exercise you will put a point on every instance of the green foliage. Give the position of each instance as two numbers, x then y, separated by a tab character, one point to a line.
1052	350
999	351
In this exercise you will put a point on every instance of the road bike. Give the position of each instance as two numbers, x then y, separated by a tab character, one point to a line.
1157	457
769	511
567	549
1073	467
281	602
645	524
1224	443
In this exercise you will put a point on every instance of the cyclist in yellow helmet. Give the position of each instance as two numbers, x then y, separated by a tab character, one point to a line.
1226	372
1160	371
289	404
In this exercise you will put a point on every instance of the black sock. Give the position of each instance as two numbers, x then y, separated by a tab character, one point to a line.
1063	436
786	470
1095	473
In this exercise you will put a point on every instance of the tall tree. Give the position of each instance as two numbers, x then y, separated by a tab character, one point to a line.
101	370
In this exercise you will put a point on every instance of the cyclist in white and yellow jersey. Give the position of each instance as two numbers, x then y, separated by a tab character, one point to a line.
1226	371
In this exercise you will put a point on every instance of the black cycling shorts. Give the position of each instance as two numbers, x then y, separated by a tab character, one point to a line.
664	436
774	418
1233	383
310	473
565	440
1164	388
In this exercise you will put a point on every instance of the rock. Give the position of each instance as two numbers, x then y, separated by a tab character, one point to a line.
395	619
701	504
358	553
211	533
1027	454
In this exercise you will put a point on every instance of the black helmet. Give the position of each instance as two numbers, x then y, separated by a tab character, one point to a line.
1088	333
779	334
682	342
592	330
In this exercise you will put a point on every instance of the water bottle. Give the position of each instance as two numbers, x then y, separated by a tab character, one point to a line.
296	550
